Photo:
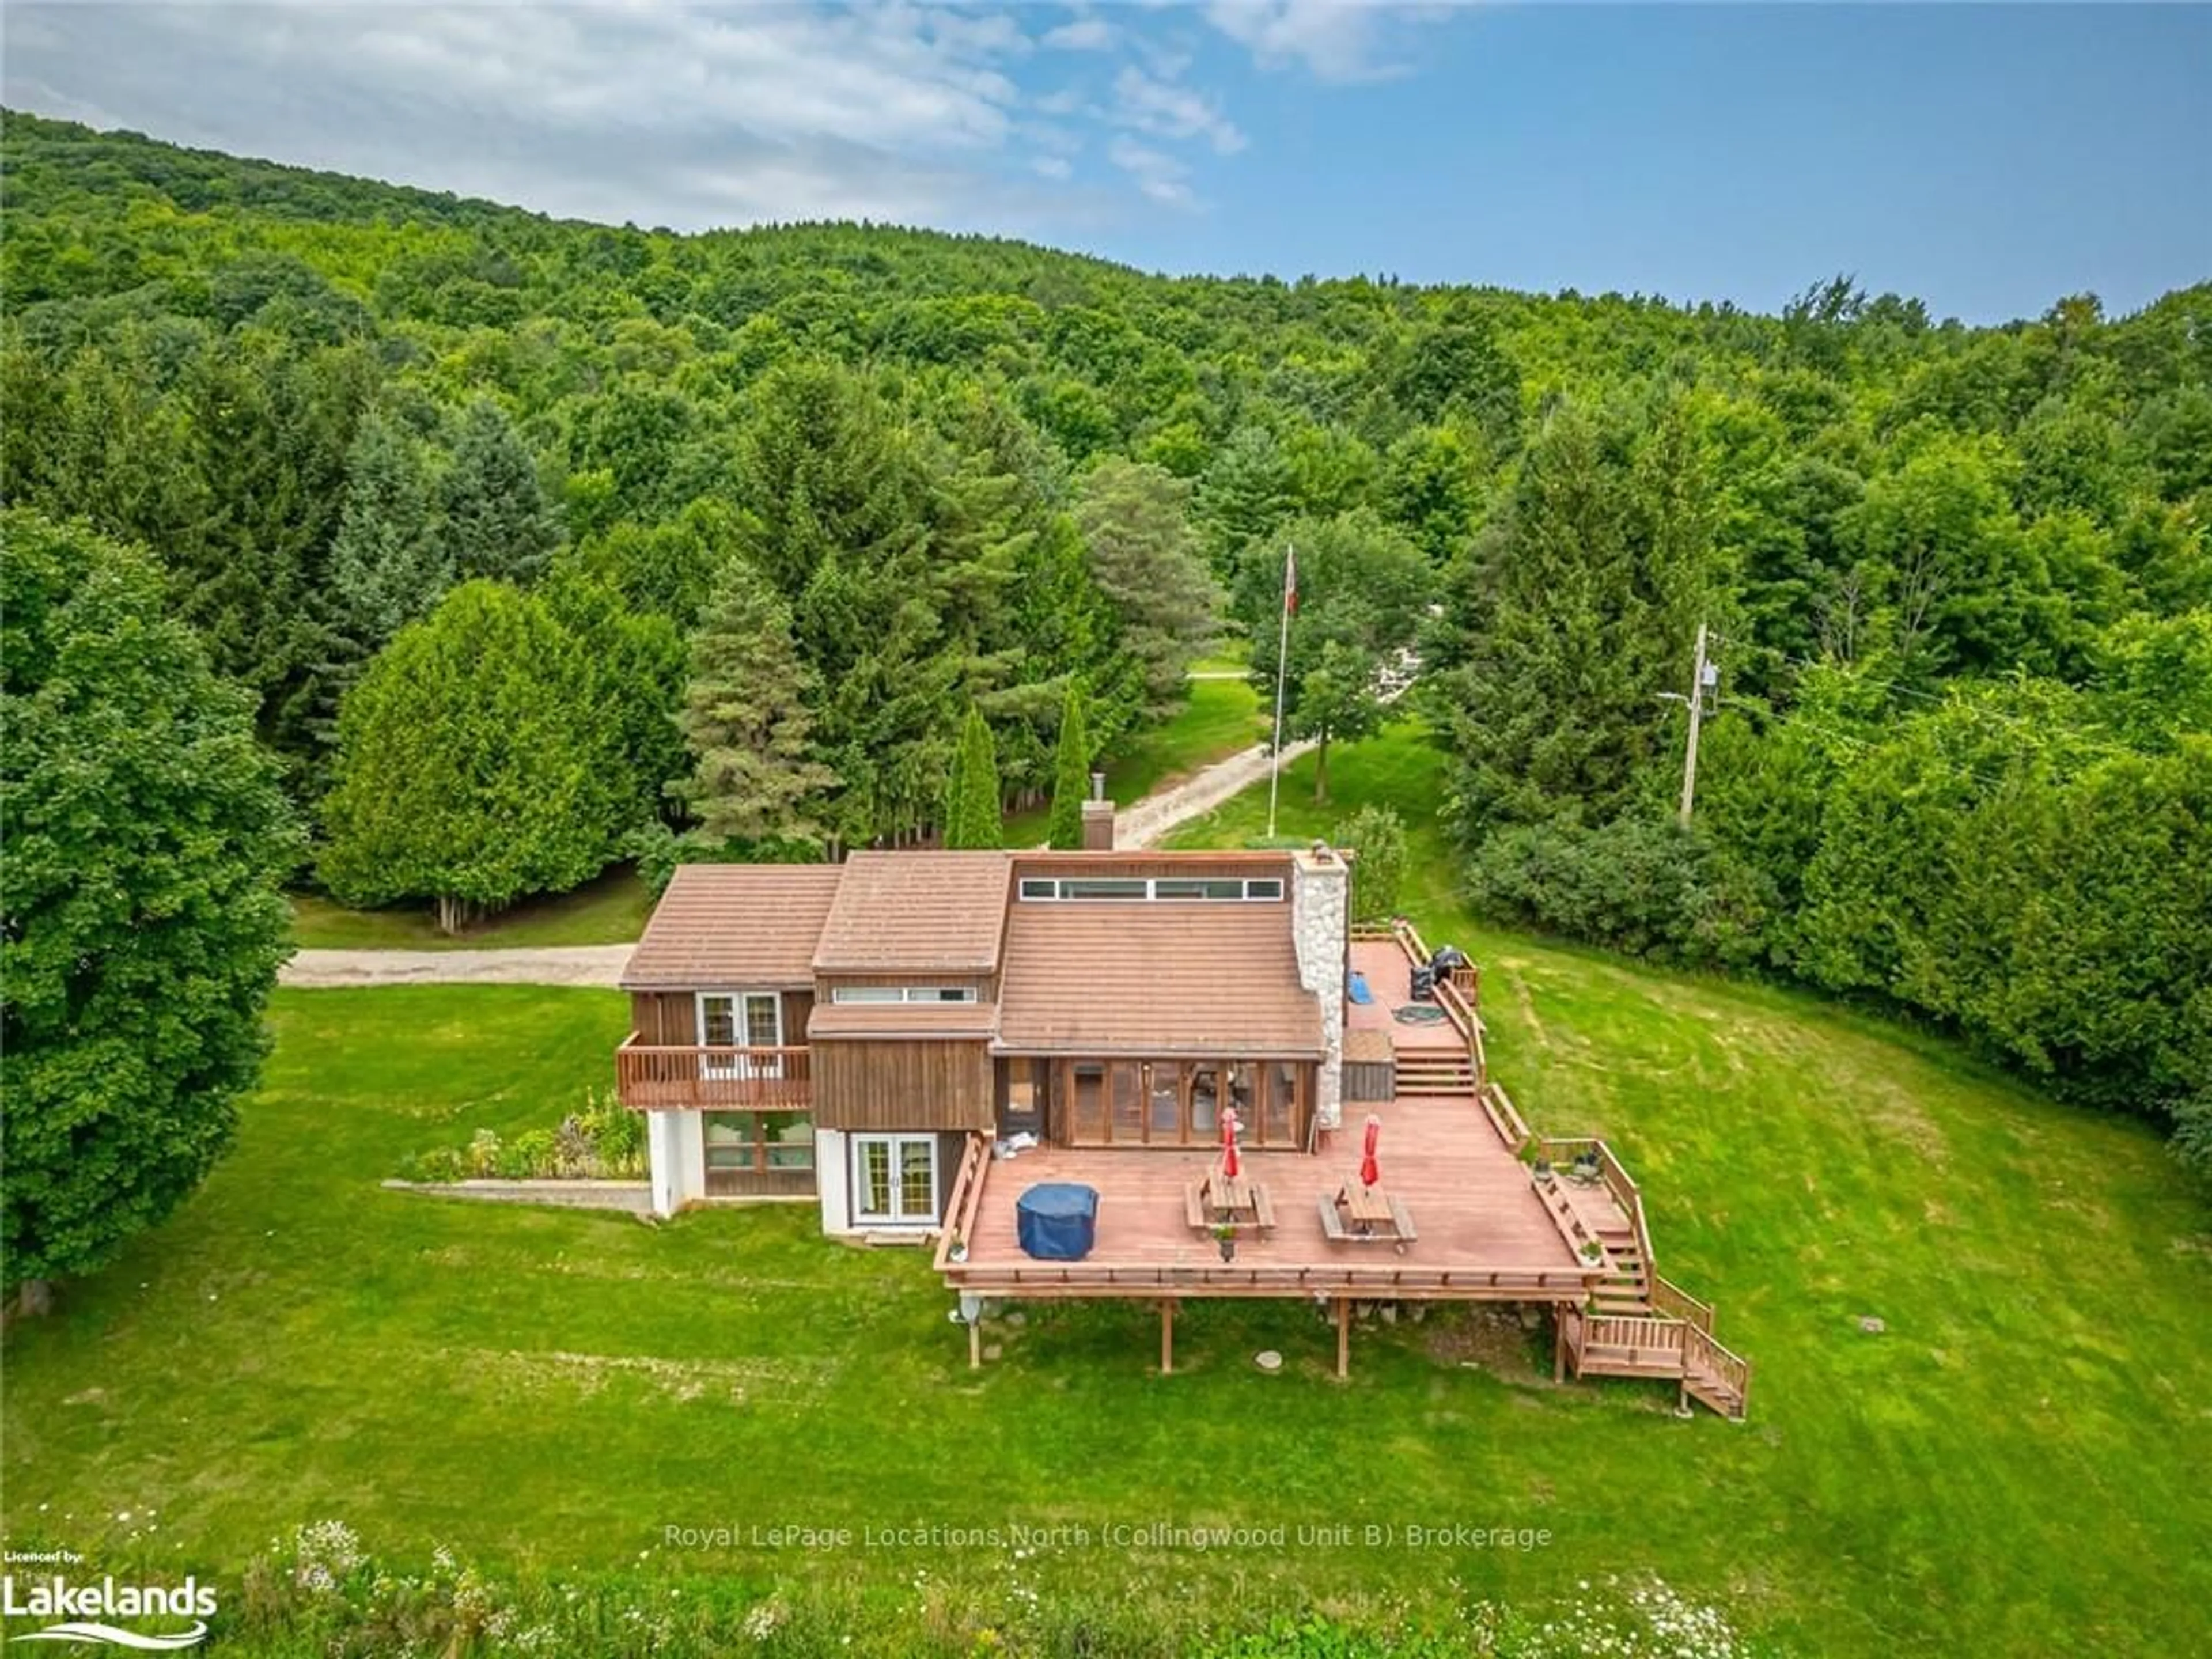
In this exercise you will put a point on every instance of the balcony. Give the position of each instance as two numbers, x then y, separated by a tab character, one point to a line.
651	1077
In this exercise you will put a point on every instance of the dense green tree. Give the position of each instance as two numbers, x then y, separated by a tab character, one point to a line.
1243	496
1568	620
973	815
472	766
746	718
388	564
496	523
141	927
1145	560
1070	785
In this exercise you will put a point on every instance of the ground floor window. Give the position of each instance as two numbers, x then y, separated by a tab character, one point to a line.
759	1141
895	1178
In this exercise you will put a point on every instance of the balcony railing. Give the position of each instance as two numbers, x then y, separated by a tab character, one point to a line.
650	1076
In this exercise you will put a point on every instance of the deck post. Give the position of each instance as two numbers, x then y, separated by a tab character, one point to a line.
1166	1336
976	1345
1343	1337
1559	1343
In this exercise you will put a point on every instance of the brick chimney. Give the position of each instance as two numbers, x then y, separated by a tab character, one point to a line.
1321	904
1098	818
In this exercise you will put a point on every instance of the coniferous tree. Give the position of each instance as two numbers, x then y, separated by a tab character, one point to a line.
472	766
746	718
972	815
388	564
1145	559
497	524
1070	785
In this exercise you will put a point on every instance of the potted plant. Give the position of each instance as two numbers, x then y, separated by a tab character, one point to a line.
1591	1252
1542	1172
1585	1171
1225	1236
959	1250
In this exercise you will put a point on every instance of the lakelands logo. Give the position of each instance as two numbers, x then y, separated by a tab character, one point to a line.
84	1610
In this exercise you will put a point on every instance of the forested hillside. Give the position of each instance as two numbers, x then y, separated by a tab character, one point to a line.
538	542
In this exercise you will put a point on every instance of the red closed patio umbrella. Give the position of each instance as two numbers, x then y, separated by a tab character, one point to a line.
1232	1164
1370	1171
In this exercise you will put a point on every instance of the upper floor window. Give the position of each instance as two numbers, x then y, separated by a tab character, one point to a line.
1154	888
903	994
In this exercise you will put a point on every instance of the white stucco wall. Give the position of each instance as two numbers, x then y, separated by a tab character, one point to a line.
1321	899
676	1150
832	1178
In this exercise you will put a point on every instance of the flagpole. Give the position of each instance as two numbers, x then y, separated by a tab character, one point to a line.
1282	667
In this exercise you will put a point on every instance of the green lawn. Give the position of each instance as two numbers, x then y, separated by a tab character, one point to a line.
610	910
2013	1466
1221	718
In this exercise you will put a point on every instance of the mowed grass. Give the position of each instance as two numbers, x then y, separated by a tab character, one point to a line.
608	910
1222	717
2014	1466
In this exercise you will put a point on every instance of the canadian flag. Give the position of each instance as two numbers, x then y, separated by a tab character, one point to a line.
1290	581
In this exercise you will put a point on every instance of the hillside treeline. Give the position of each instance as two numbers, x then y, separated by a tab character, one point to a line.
539	542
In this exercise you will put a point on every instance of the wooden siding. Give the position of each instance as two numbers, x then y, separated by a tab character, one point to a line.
670	1019
866	1083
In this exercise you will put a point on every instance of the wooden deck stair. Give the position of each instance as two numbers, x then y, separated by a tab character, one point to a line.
1627	1288
1435	1072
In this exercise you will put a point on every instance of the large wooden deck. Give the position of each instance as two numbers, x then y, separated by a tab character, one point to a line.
1484	1233
1570	1232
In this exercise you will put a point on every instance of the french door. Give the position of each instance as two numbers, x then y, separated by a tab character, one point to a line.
741	1019
895	1178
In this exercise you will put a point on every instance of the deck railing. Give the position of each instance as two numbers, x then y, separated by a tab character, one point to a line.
967	1198
1669	1298
1505	1117
658	1076
1701	1350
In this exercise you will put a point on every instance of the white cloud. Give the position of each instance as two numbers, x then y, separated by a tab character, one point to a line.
686	118
1052	166
1084	34
1157	174
1335	39
1168	110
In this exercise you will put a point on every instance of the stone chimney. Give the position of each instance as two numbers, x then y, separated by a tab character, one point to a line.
1321	907
1098	818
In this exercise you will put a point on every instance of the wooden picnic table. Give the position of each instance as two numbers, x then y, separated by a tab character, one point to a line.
1215	1200
1360	1215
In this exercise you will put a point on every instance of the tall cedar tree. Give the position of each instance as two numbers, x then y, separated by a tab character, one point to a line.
497	525
746	718
473	766
1574	612
973	817
141	920
1070	785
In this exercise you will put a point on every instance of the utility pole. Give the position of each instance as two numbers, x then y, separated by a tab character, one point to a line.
1701	675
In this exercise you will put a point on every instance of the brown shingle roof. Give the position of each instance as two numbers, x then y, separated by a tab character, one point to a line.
910	1019
1154	979
928	912
735	926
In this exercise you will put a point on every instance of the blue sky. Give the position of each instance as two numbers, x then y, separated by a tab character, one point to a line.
1987	159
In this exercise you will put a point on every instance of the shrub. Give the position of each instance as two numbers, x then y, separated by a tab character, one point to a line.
1376	837
601	1140
1648	888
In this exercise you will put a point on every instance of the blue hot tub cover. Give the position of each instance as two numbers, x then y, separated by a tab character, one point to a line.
1057	1220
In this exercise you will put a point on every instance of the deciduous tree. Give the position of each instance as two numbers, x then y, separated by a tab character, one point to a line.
141	923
